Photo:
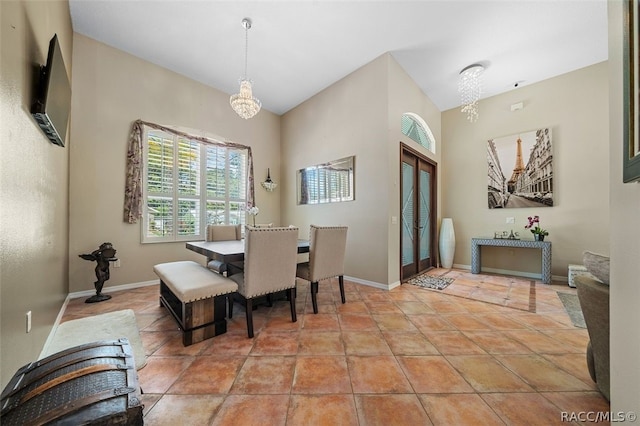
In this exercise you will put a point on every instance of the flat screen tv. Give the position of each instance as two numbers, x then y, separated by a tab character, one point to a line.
52	102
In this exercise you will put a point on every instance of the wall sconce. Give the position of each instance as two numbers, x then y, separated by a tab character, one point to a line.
268	184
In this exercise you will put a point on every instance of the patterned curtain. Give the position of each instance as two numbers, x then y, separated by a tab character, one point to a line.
133	185
304	187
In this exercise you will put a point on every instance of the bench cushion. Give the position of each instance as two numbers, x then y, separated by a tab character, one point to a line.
190	281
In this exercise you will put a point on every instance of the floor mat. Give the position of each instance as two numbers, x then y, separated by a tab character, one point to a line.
429	281
109	326
572	306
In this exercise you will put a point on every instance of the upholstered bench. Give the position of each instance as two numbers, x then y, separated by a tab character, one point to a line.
196	297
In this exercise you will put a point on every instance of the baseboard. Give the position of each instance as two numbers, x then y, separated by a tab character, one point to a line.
372	283
55	326
460	266
89	293
394	285
560	278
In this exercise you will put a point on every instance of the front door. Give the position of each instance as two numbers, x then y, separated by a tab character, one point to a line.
418	195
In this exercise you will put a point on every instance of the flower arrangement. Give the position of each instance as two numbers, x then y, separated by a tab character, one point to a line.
253	211
535	220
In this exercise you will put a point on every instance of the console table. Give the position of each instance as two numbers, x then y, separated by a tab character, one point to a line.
545	246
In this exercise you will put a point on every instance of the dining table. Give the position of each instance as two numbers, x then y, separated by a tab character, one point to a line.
229	251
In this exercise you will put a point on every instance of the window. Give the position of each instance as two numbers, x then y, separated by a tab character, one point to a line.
414	126
187	185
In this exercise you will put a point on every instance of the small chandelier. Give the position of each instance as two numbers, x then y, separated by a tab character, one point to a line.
268	184
470	88
243	103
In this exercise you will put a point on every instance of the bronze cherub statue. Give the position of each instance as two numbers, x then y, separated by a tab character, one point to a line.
105	254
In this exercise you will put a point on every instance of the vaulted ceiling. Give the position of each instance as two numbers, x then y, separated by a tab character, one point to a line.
297	48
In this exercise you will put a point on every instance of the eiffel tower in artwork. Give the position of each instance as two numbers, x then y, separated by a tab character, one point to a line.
517	170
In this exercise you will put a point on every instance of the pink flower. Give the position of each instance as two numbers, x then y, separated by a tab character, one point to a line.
532	220
535	220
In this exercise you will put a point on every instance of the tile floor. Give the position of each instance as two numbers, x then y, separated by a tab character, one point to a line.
410	356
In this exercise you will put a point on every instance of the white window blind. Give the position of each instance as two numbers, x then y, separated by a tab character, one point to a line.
330	185
178	206
413	126
226	194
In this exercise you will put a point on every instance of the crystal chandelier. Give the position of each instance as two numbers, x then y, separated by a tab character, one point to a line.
470	88
243	103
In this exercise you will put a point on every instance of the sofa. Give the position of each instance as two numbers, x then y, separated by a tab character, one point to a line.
593	294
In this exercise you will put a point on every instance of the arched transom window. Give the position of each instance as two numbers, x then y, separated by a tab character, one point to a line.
414	126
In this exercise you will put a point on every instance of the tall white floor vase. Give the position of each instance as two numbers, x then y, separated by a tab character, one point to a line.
447	243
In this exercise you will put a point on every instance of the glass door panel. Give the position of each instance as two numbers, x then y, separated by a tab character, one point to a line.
425	214
408	216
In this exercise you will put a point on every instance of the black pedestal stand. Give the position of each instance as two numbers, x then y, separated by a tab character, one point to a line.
98	298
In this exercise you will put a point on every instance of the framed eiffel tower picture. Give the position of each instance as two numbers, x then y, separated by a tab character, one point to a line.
520	170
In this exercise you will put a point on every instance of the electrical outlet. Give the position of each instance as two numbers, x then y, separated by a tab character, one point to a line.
116	263
511	220
29	322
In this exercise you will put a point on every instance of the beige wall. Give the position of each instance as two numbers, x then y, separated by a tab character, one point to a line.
347	118
111	90
34	191
575	107
625	242
359	115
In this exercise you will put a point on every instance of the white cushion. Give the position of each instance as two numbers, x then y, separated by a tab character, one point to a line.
190	281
